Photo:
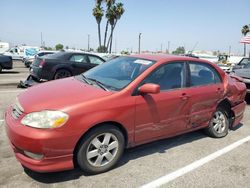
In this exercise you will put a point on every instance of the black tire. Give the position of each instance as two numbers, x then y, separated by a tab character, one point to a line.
218	128
1	68
62	73
89	165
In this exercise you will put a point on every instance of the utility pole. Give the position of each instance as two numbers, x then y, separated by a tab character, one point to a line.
88	42
169	47
229	52
139	51
161	47
41	39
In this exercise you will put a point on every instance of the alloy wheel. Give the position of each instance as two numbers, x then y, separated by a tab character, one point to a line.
102	149
219	122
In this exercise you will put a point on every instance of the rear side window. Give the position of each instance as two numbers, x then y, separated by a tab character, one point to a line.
203	74
95	60
79	58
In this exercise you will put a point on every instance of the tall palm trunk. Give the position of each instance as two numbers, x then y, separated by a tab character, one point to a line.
106	33
111	39
99	34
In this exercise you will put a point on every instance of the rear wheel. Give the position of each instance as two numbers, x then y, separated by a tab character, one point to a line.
219	124
101	149
1	68
62	73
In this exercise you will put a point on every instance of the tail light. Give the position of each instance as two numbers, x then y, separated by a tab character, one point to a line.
42	63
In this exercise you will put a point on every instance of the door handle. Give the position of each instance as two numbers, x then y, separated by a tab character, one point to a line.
184	96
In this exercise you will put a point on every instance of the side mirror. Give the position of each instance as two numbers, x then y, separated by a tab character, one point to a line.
149	89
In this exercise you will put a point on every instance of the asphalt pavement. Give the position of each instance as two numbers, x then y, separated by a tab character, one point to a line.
141	165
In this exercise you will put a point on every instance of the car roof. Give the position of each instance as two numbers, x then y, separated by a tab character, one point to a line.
166	57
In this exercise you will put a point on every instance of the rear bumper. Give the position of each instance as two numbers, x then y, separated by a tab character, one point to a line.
238	111
41	74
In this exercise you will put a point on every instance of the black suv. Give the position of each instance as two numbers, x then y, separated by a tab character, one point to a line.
63	64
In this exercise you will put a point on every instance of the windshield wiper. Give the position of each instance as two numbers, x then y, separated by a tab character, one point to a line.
100	84
86	80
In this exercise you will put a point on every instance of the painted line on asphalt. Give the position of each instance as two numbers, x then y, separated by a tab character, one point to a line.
12	91
1	120
182	171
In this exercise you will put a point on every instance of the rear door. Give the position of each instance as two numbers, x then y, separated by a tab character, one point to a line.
80	63
206	90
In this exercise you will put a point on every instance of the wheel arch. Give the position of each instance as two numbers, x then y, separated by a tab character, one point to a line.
56	69
113	123
225	104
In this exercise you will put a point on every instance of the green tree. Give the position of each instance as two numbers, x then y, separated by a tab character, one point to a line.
102	49
245	31
98	14
179	50
59	46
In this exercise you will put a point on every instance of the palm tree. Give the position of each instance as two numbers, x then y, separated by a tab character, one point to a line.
244	31
98	14
109	4
116	12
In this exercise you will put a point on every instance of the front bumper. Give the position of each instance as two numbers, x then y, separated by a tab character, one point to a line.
58	155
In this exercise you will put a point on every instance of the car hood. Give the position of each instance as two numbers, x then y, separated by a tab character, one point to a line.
245	73
59	94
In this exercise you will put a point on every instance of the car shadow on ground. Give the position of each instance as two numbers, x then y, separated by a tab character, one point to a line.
248	99
130	154
9	72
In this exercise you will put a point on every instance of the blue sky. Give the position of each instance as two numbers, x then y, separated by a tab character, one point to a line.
214	24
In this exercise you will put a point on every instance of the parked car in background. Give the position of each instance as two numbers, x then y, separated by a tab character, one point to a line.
4	46
20	52
63	64
88	120
228	67
243	70
244	63
109	57
5	62
28	61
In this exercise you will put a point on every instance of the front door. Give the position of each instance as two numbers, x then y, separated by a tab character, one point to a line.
166	113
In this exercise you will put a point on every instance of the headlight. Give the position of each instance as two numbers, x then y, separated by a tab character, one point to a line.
45	119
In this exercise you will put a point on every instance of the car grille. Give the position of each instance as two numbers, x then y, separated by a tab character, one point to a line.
17	111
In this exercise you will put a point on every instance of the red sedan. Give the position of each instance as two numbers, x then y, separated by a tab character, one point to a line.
89	119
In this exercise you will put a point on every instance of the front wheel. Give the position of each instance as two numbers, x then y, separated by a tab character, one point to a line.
219	124
101	149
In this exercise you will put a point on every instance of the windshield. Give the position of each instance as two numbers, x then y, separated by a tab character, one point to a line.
118	73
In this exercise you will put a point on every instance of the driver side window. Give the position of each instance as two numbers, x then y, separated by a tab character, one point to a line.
169	76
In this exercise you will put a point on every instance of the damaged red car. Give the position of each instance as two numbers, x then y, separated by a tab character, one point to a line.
88	120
